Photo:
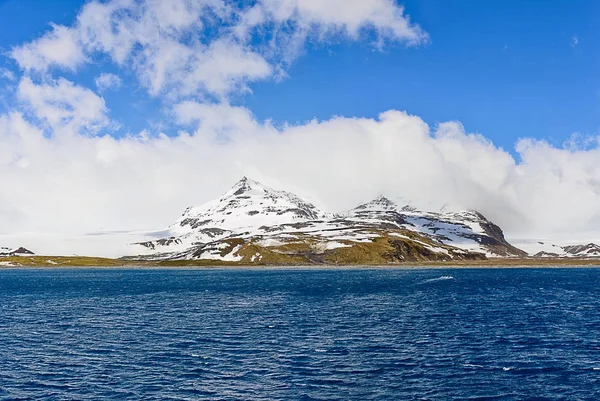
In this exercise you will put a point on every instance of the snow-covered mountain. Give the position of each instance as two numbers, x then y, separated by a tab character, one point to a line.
20	251
544	249
467	230
252	223
247	206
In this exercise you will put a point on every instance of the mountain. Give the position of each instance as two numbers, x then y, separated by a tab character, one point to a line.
468	230
549	250
246	206
4	251
252	223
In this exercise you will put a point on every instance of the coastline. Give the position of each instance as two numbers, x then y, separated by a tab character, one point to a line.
78	262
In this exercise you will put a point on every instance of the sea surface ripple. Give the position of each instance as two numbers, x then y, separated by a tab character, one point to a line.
367	334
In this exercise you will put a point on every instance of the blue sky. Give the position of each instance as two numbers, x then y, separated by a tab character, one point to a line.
506	69
507	72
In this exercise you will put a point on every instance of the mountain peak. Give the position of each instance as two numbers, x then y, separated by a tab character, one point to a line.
249	205
244	185
384	203
381	202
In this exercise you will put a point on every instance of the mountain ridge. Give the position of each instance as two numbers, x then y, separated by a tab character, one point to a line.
589	250
254	223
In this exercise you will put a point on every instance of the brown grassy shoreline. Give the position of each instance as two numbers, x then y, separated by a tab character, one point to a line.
83	261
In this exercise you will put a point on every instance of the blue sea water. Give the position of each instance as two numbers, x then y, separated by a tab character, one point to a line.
369	334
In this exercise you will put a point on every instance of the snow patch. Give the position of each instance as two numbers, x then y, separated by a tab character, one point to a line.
330	245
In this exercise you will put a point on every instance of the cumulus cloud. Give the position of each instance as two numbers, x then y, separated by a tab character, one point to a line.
7	74
63	107
196	47
86	184
59	47
324	18
107	81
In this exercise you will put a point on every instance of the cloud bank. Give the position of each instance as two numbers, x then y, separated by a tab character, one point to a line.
87	183
64	171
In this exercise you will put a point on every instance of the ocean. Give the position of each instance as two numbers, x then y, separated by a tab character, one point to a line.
293	334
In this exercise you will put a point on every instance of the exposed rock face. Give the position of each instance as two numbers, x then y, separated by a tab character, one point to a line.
590	250
15	252
252	223
468	229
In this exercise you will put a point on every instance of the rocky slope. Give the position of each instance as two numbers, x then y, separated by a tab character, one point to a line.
549	250
252	223
4	251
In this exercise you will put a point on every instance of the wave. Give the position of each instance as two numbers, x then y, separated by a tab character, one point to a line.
441	278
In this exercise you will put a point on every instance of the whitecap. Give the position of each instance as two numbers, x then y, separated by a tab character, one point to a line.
441	278
470	365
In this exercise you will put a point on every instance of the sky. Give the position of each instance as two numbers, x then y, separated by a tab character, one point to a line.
116	115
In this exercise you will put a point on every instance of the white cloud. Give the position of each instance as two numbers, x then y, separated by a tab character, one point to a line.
7	74
89	184
347	17
224	66
64	107
107	81
205	47
574	40
59	47
578	141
